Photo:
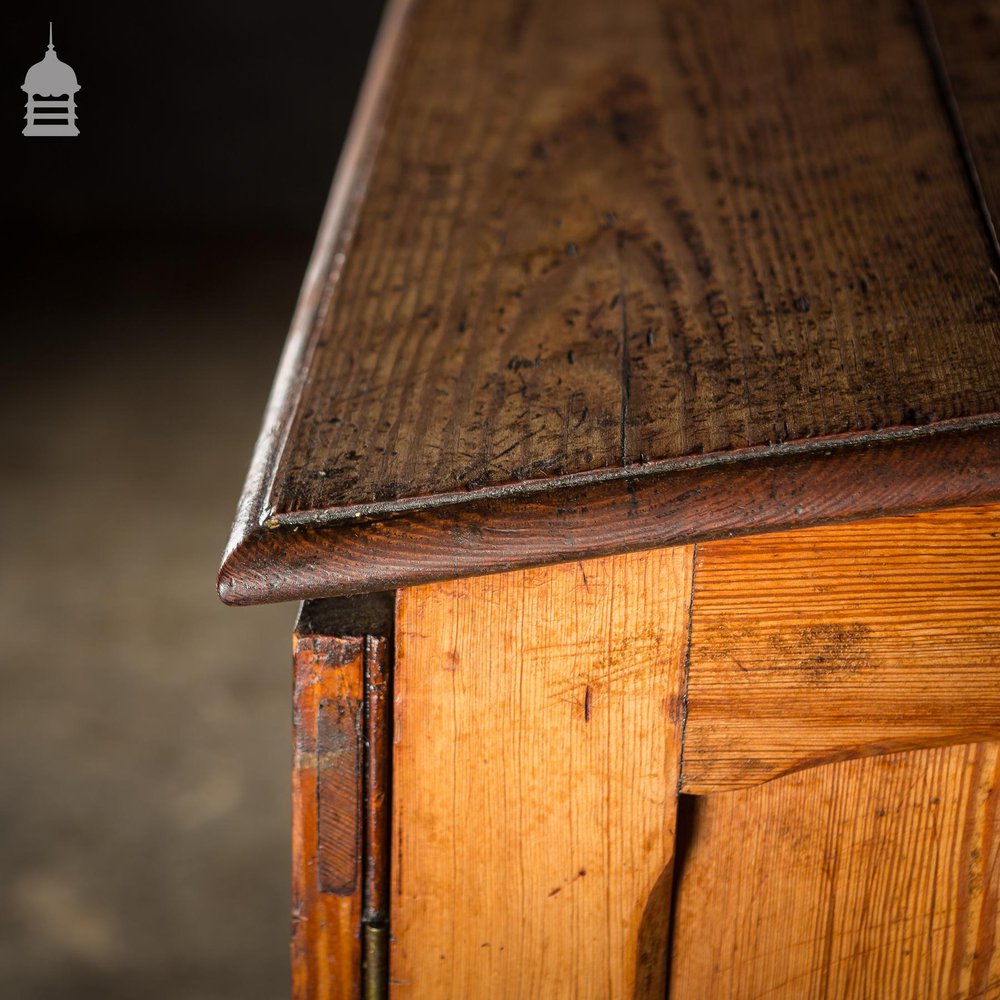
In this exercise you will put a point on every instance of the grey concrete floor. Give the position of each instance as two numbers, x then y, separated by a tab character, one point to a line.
144	728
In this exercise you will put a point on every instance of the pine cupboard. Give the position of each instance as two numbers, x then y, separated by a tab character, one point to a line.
635	453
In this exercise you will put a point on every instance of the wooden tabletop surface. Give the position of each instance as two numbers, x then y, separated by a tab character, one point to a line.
600	276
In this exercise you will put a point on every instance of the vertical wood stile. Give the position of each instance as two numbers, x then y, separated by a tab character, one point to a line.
536	762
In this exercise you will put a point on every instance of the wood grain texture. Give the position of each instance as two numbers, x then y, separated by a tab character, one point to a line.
587	243
841	641
966	37
714	208
326	829
339	829
535	771
870	878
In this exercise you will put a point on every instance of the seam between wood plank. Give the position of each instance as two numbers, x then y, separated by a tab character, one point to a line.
626	362
939	67
687	665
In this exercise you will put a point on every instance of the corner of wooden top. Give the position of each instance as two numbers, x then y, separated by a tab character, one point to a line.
237	583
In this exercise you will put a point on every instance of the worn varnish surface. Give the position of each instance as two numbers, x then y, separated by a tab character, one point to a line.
871	878
616	233
535	772
840	641
339	784
579	239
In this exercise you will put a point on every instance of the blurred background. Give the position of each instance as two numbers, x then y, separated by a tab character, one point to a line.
155	262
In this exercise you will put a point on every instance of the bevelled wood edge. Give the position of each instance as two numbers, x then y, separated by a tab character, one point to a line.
332	240
833	481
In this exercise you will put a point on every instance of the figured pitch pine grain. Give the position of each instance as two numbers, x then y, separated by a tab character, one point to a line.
537	741
840	641
577	244
871	878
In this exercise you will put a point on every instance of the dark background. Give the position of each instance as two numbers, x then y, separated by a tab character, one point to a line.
205	117
153	267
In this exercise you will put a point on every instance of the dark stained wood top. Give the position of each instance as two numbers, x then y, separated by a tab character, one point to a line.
602	276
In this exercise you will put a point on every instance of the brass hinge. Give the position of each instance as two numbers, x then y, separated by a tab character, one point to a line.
375	960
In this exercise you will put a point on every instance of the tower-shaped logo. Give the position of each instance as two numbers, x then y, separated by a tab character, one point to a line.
51	88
